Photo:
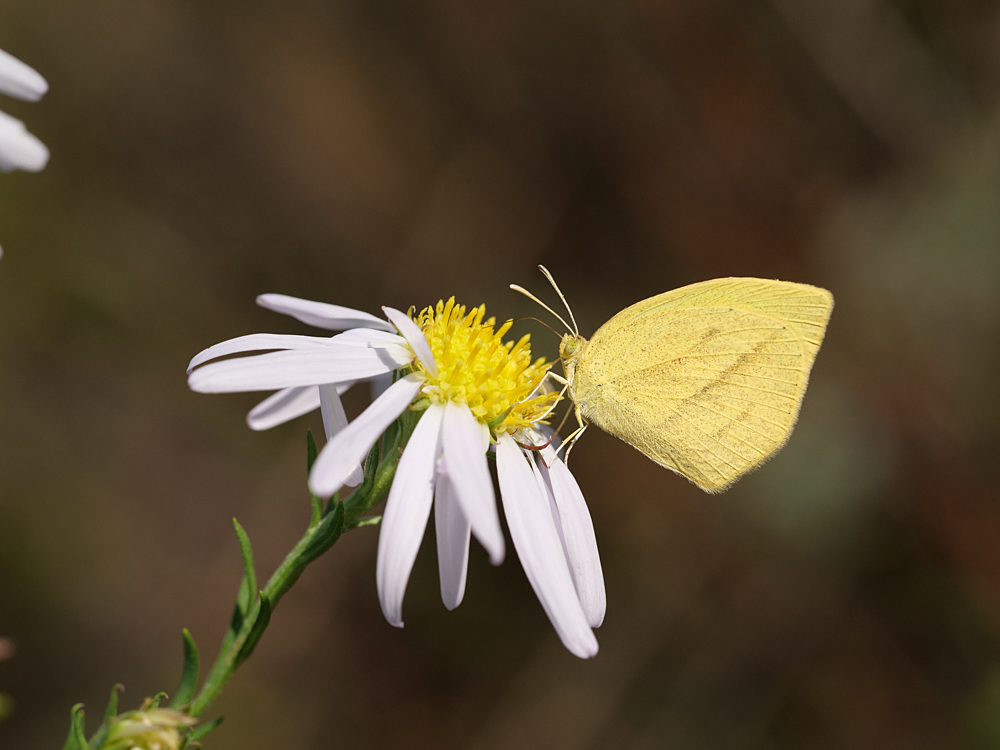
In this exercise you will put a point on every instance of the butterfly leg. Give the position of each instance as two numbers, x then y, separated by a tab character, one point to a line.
558	378
554	404
571	441
573	436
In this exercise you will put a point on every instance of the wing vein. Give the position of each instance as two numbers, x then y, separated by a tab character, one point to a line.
742	375
708	445
744	424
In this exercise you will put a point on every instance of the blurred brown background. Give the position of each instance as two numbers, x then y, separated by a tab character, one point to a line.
847	595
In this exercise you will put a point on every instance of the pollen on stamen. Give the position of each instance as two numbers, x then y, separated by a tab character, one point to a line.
476	367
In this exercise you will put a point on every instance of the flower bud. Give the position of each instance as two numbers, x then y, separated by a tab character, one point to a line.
149	729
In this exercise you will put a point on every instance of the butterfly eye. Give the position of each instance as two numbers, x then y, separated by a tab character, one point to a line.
570	347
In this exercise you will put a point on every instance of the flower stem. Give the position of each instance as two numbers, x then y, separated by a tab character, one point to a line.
252	612
253	609
234	648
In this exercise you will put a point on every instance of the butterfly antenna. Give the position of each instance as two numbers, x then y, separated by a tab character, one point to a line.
552	281
531	296
538	320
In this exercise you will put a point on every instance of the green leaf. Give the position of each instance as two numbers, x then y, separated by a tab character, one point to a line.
370	521
77	740
372	462
317	502
244	597
197	734
317	509
155	701
109	716
247	551
311	451
408	421
358	503
259	626
357	498
370	493
189	676
112	710
327	532
391	436
497	421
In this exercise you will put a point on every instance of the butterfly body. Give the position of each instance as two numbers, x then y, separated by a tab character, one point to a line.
706	380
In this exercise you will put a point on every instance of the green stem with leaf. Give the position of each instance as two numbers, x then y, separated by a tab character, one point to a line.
254	607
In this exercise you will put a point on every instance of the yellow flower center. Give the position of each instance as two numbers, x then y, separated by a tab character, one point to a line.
476	367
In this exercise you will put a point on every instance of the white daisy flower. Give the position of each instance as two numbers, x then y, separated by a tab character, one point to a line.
475	394
19	149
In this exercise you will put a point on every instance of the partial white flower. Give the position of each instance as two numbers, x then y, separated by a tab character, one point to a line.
306	382
472	389
19	80
573	522
543	557
19	149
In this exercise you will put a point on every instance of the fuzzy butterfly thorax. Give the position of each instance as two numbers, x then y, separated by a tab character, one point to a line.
571	350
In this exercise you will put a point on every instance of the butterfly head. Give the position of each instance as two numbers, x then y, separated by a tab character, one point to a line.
570	346
570	349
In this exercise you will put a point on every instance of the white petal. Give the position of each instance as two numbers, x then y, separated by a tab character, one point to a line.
406	513
19	149
335	420
320	314
537	543
332	410
256	342
461	442
20	80
286	369
350	446
369	337
414	337
287	404
578	538
283	406
453	534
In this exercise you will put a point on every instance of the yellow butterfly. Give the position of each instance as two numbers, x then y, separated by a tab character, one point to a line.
706	380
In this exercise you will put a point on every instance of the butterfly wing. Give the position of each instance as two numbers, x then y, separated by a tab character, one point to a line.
706	380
